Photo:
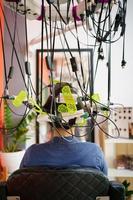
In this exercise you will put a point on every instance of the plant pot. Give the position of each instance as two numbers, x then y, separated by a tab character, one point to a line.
12	160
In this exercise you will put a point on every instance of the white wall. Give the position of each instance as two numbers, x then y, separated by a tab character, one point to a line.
121	79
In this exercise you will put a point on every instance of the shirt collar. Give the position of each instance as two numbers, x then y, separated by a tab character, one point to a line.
70	139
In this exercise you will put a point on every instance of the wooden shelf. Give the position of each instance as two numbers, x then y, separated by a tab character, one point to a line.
112	140
112	172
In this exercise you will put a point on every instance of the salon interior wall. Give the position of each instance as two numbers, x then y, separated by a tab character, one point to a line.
121	78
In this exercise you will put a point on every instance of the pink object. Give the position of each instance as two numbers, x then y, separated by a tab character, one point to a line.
42	11
74	13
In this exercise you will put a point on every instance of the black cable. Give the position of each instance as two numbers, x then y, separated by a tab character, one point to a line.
109	66
51	46
31	84
100	46
42	34
46	31
68	7
69	50
99	20
59	14
88	45
65	59
26	32
81	66
14	35
107	134
100	38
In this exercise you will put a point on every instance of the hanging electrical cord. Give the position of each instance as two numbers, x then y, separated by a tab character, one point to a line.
14	34
51	62
27	67
42	34
123	62
87	45
26	32
95	123
69	50
59	13
27	64
51	70
66	59
97	24
72	59
53	46
99	20
52	42
90	74
109	66
106	133
68	7
100	46
46	31
39	85
78	44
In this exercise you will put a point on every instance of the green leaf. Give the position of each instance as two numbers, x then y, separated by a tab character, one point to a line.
15	137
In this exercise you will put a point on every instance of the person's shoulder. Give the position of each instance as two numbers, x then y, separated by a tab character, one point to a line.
37	146
92	145
31	147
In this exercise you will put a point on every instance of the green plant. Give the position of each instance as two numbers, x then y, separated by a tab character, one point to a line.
14	138
128	192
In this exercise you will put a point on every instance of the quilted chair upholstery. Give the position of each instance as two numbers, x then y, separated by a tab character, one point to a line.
40	183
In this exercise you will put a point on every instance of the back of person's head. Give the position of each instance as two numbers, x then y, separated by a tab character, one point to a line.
52	104
55	91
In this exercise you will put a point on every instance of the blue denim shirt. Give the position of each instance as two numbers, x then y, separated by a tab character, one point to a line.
65	152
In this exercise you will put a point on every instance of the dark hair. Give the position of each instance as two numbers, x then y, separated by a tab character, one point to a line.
51	107
57	90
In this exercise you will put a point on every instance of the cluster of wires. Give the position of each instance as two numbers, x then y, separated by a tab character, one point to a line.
104	29
97	23
92	111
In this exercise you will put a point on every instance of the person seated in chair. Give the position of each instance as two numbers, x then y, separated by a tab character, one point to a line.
64	149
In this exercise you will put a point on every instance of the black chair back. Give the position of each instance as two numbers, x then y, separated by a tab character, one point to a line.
41	183
57	184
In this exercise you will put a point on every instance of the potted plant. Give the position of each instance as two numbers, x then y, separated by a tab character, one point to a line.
14	138
128	192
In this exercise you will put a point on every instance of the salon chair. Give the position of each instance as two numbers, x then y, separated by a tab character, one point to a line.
42	183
